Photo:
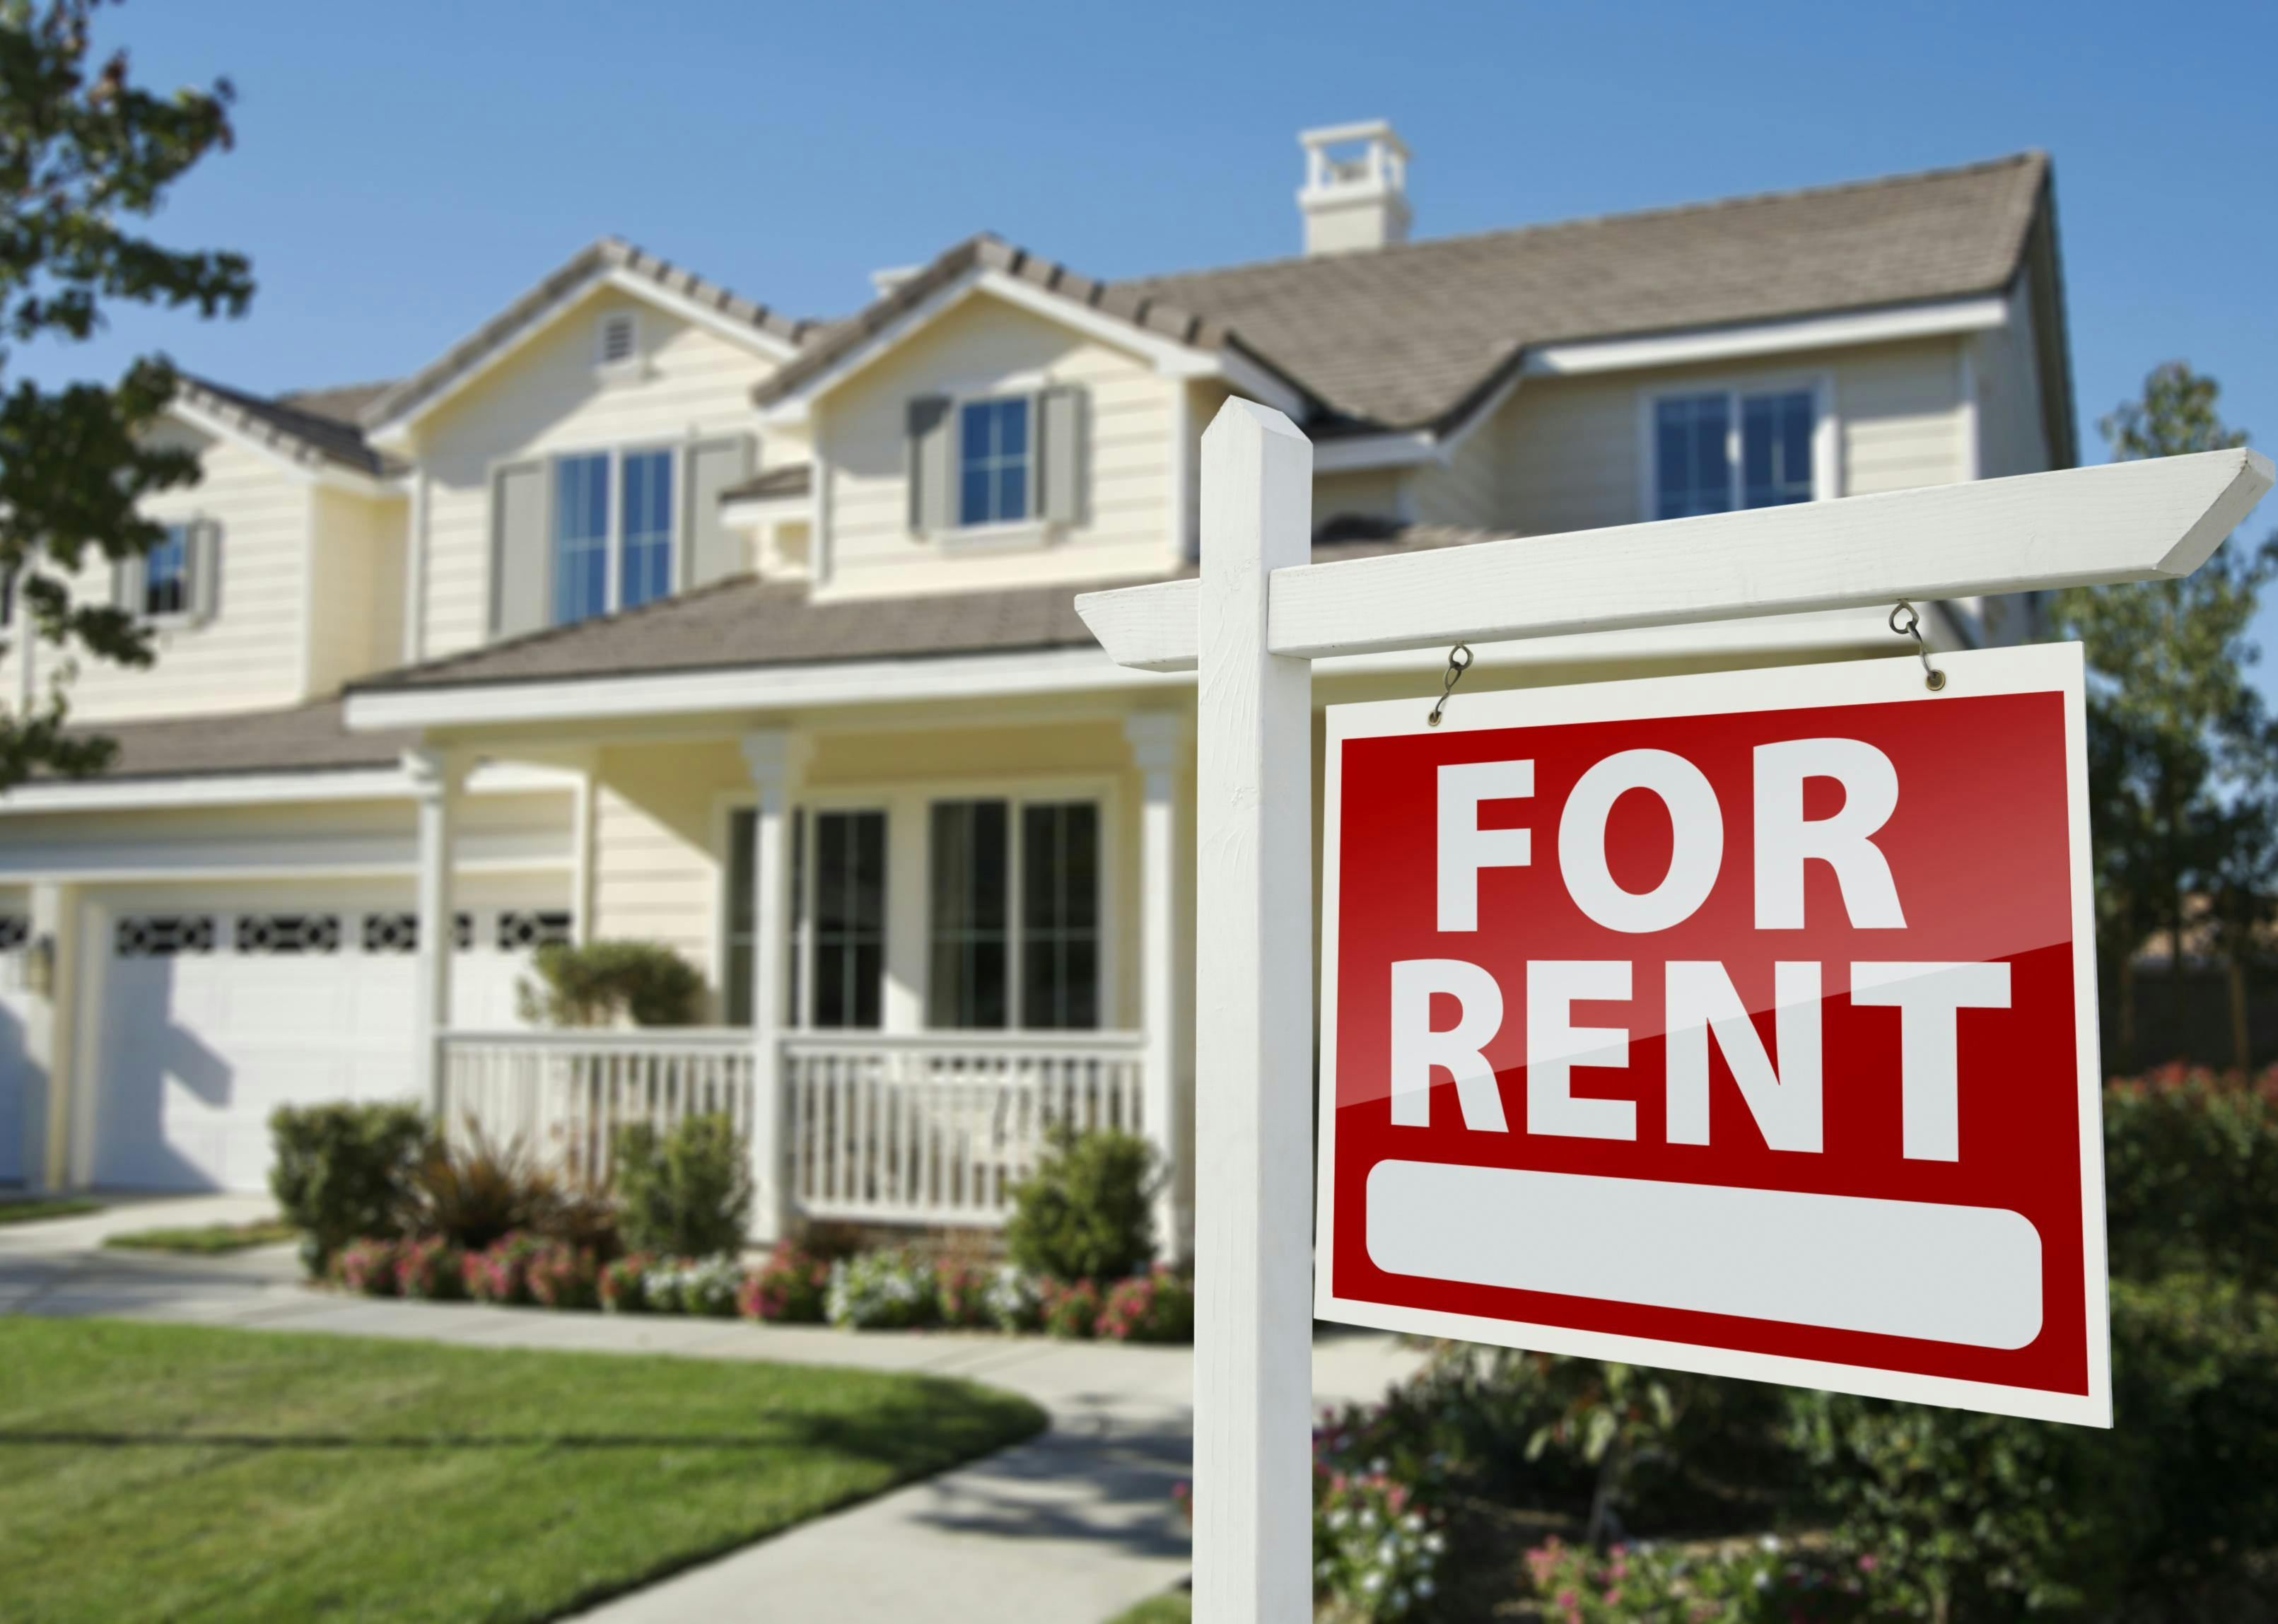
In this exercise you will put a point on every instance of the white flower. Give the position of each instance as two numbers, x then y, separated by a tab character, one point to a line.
1764	1582
1425	1588
1372	1582
1769	1541
1436	1542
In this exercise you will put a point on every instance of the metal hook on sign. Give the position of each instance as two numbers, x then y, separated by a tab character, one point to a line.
1933	678
1459	660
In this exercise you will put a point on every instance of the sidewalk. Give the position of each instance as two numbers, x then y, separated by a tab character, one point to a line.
1068	1528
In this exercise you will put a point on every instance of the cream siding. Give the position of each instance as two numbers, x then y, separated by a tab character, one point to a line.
2012	435
1465	490
355	588
550	398
1366	492
985	347
1901	412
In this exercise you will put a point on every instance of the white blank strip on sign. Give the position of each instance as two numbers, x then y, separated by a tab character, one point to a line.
1966	1275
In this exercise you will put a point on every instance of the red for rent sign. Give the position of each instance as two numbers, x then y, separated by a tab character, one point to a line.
1742	1023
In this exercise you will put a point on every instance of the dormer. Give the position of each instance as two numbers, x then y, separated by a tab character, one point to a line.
1356	192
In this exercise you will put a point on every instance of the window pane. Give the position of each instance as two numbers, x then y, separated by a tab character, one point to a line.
973	502
1691	470
850	917
1775	448
1012	491
1012	428
965	985
1060	916
581	538
645	568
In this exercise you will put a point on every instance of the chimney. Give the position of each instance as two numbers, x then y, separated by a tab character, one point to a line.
1355	190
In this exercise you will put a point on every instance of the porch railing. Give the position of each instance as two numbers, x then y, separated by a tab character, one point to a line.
562	1095
929	1128
937	1128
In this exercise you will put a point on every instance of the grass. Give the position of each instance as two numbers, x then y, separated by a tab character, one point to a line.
62	1207
186	1473
1176	1607
206	1239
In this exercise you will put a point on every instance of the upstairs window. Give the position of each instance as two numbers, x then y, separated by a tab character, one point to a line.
166	574
1716	451
994	463
581	538
644	554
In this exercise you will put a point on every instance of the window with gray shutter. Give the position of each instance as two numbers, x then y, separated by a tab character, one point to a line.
931	471
521	557
713	550
1060	459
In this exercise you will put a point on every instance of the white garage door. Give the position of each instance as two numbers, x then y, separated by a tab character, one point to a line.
213	1017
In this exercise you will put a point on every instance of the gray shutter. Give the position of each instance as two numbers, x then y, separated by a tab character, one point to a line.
521	557
715	550
126	577
205	570
932	472
1059	456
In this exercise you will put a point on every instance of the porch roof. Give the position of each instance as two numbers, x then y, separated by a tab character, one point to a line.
745	621
297	739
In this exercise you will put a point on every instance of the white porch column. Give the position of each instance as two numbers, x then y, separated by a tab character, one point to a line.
52	1108
774	755
1158	742
435	776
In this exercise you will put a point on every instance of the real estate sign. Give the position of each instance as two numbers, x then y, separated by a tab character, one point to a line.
1742	1023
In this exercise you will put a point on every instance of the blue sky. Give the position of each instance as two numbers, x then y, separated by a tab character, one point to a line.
403	171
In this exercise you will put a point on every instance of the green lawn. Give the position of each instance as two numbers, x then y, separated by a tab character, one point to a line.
206	1239
1175	1608
182	1473
62	1207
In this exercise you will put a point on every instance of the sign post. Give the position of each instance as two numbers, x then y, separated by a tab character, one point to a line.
1253	622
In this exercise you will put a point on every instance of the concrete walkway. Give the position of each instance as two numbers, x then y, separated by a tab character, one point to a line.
1068	1528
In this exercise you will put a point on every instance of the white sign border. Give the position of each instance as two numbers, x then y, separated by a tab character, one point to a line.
2038	668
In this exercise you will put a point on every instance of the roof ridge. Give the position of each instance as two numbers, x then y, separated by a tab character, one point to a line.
2028	157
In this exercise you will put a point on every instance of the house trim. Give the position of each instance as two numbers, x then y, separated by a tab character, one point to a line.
235	789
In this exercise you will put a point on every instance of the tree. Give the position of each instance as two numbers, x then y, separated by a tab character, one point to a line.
2177	731
85	157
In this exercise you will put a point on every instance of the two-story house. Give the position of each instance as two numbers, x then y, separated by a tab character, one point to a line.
649	612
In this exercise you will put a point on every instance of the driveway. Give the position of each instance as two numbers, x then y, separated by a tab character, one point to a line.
1070	1527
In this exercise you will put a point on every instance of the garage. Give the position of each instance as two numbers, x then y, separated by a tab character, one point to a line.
214	1014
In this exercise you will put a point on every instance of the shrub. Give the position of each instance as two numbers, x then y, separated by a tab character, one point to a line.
687	1193
1156	1307
1086	1211
2190	1174
693	1285
624	1284
369	1266
340	1172
1015	1300
1754	1582
882	1291
477	1193
563	1276
1071	1308
963	1292
1376	1539
500	1274
594	984
791	1288
431	1269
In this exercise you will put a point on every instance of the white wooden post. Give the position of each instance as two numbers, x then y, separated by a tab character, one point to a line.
434	775
50	1020
1253	1039
773	755
1157	739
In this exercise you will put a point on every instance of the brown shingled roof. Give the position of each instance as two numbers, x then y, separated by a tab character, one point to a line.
289	424
305	737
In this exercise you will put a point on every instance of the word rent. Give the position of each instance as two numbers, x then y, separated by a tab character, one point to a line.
1702	1006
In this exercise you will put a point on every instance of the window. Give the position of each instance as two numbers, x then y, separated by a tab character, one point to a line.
581	538
1719	450
978	958
838	947
993	462
644	565
166	574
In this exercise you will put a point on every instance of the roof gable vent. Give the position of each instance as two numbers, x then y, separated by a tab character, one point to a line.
616	341
1355	190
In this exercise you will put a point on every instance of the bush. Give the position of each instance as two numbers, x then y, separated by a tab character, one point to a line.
693	1285
791	1287
369	1266
883	1290
1156	1306
1377	1538
2190	1174
687	1193
340	1172
596	983
1071	1307
962	1290
1086	1211
477	1192
430	1268
1756	1582
563	1276
501	1273
624	1284
1015	1300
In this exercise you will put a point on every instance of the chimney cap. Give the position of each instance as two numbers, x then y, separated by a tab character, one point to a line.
1366	129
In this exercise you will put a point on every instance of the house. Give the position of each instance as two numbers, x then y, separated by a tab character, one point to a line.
648	611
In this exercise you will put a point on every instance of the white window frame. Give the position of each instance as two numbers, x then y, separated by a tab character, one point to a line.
613	561
1826	428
